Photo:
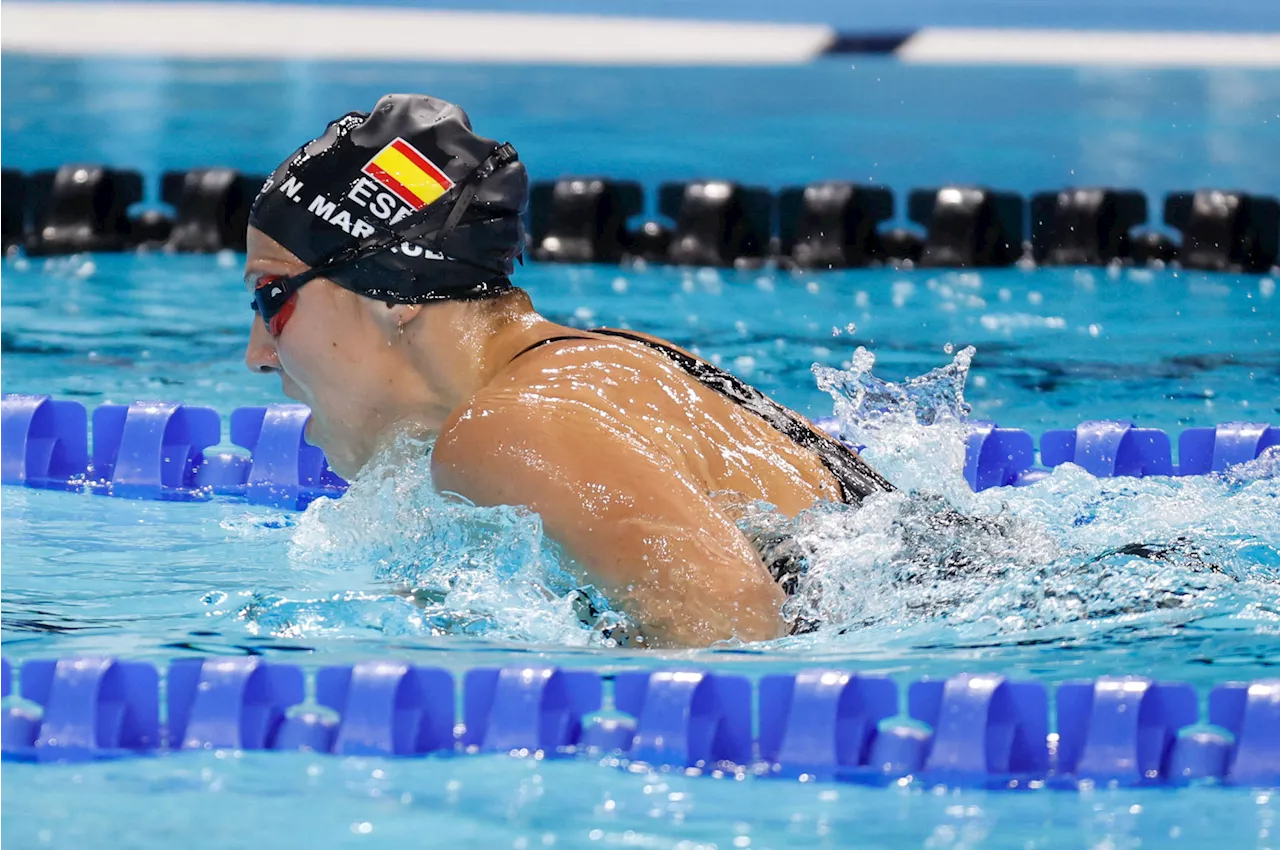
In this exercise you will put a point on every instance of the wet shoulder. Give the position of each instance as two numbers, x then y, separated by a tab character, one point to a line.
594	366
591	383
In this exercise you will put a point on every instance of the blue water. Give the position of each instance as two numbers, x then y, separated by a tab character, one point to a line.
1170	349
861	119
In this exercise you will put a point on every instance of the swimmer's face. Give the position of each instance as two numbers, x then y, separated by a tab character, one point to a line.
329	356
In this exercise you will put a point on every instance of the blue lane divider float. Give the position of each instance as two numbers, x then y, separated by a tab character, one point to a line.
983	726
982	730
538	709
44	442
822	723
91	708
1109	448
286	470
388	708
1204	450
687	718
230	703
159	450
999	457
151	449
1251	713
1122	729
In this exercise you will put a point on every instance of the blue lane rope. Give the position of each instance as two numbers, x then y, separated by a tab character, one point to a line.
164	450
974	730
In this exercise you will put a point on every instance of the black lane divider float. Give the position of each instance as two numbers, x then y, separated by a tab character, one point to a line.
80	208
824	225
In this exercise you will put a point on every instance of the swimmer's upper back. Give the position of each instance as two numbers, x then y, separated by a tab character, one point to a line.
645	396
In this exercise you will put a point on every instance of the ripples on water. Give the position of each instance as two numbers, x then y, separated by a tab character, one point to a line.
1071	556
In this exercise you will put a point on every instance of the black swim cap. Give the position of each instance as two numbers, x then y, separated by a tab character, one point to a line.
404	204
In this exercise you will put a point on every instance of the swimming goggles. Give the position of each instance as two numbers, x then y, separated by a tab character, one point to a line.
429	227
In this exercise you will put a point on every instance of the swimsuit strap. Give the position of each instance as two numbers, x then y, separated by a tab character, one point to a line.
855	477
543	342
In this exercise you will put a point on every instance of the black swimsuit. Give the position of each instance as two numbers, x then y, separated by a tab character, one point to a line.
854	476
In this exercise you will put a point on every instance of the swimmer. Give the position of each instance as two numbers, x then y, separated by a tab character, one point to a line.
379	258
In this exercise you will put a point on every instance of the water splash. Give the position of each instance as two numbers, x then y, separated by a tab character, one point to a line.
1073	550
867	404
1265	466
890	418
431	563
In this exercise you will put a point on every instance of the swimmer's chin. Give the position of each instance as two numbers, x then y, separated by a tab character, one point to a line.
309	431
347	471
336	459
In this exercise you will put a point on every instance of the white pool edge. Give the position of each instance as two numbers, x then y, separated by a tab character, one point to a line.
256	30
264	31
1078	47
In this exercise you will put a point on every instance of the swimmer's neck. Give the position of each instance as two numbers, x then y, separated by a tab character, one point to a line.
455	349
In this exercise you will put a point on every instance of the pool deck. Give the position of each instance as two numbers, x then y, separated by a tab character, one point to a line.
324	31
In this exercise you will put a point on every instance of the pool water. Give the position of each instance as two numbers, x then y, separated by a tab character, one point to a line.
1047	597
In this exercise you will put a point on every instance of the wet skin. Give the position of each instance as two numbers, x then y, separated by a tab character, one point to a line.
635	468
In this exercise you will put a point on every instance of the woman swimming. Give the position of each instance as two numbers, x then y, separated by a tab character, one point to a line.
406	225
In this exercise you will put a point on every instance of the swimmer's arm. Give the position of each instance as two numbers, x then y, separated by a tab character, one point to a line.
650	538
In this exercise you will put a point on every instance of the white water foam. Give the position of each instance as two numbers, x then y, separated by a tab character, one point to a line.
454	567
1071	549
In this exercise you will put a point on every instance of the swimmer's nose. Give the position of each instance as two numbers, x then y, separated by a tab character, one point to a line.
261	355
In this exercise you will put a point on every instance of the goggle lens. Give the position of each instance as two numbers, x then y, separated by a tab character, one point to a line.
274	300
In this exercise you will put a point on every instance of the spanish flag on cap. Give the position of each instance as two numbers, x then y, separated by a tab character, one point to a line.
408	174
